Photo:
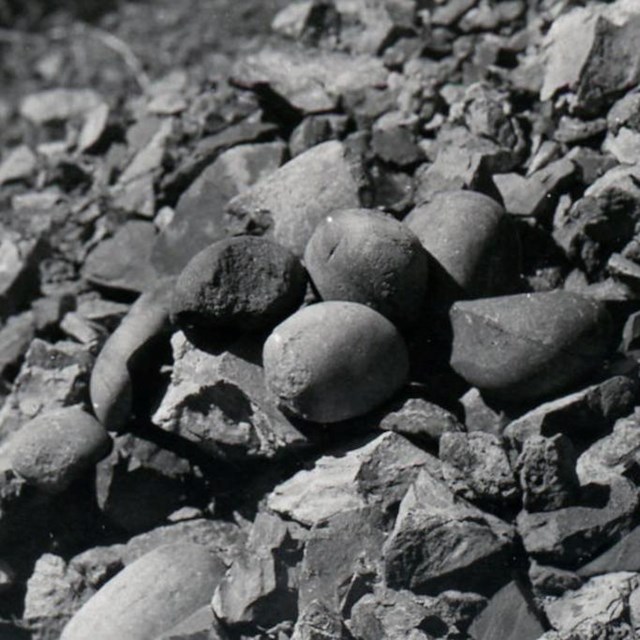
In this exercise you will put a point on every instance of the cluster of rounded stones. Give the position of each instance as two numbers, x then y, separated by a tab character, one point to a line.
341	315
339	319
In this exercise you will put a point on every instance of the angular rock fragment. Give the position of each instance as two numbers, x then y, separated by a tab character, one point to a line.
51	377
15	338
243	283
541	343
58	104
467	235
479	416
571	536
550	581
259	590
314	130
534	195
291	202
442	542
140	484
310	81
318	622
199	217
220	402
123	262
602	601
394	138
588	413
364	256
613	455
510	615
54	594
376	474
313	369
150	596
342	556
19	277
416	417
18	165
395	615
55	448
547	472
478	469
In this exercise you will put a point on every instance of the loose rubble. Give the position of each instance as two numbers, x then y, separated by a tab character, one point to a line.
322	325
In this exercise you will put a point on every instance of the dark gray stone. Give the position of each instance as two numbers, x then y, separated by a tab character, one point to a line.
441	542
542	343
478	469
124	261
468	237
244	283
547	471
572	536
510	615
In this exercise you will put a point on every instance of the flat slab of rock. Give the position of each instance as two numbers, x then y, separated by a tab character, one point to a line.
311	81
376	473
291	202
442	542
572	536
199	216
587	413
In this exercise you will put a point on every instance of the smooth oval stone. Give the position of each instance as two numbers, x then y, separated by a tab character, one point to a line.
55	448
362	255
529	346
474	247
110	385
246	283
149	596
334	360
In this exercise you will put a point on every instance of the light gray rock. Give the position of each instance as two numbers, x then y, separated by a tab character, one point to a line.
334	360
221	403
291	202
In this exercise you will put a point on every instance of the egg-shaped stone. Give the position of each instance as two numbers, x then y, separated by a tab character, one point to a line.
245	282
52	450
529	346
149	596
474	248
110	386
334	360
366	256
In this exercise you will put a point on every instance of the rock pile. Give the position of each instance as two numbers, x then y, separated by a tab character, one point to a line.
342	345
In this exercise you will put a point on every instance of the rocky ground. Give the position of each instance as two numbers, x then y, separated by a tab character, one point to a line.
320	320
